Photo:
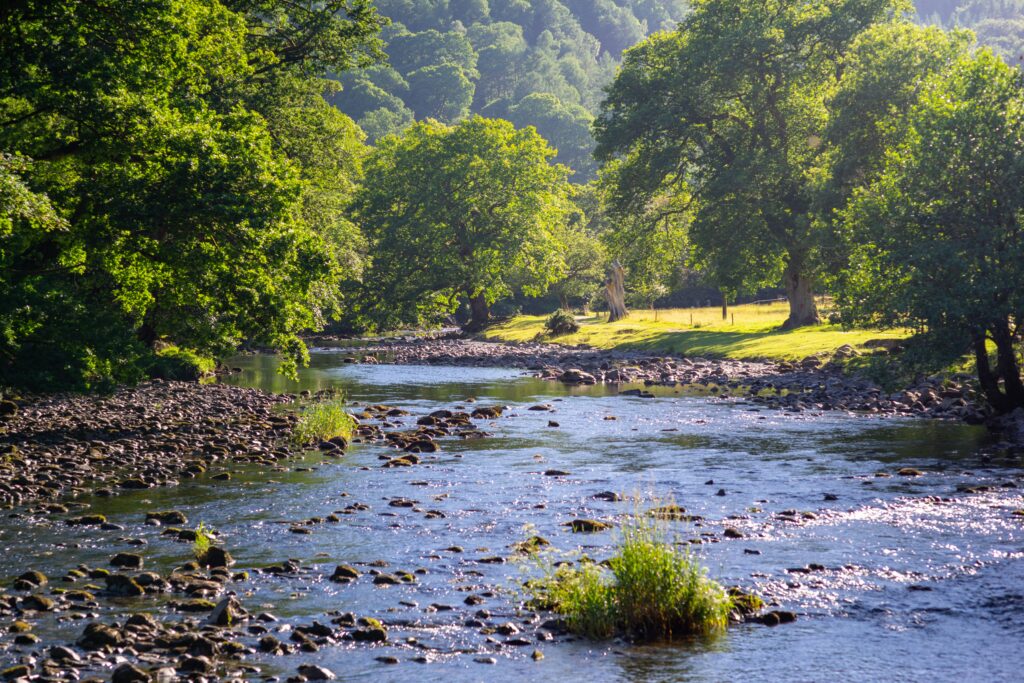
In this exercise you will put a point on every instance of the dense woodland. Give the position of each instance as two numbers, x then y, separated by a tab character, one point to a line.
182	177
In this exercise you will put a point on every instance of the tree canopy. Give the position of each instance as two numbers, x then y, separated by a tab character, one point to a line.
730	109
939	234
177	190
471	211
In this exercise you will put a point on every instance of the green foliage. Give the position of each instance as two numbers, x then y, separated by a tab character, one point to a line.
561	322
650	591
882	80
203	541
323	421
180	364
473	211
938	233
186	181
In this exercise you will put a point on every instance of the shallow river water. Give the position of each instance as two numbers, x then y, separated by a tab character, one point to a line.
920	582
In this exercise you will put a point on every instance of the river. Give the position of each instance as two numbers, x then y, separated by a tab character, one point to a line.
920	581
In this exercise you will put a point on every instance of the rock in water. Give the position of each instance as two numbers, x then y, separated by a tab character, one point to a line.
316	673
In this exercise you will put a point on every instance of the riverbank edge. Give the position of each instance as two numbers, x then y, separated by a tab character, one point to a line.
61	445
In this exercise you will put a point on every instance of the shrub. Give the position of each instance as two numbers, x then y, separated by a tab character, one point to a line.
650	590
180	364
560	323
323	421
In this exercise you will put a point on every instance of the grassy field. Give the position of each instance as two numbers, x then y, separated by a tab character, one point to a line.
751	332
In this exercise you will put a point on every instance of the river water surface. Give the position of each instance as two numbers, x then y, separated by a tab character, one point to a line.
920	582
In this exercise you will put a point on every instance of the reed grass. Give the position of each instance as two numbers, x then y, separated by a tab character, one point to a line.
323	421
650	590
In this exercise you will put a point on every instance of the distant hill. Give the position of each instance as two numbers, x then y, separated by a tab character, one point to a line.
545	62
998	23
535	62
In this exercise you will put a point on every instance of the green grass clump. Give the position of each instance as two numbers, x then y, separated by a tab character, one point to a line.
323	421
203	541
650	590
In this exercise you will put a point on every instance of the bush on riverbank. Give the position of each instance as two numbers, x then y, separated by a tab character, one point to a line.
175	363
650	590
560	323
323	421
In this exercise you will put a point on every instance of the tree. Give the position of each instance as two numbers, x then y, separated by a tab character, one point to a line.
567	123
584	253
443	92
459	213
185	148
730	108
940	232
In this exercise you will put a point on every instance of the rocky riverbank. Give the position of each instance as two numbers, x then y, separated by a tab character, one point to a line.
810	385
136	438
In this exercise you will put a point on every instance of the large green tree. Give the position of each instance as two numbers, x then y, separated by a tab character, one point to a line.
186	149
730	108
459	213
940	231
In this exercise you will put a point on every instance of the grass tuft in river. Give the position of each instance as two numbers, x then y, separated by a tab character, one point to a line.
650	590
201	544
323	421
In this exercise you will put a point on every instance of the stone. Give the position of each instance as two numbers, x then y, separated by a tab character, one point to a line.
129	673
577	376
33	577
587	526
40	603
123	586
86	520
270	644
168	517
217	556
14	672
228	612
343	573
64	654
199	665
127	560
315	673
97	635
777	617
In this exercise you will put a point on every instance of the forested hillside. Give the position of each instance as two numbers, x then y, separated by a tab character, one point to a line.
534	62
545	62
998	23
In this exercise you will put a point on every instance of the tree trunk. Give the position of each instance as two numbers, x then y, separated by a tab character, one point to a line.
615	293
725	306
802	308
1010	395
988	379
479	313
563	301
